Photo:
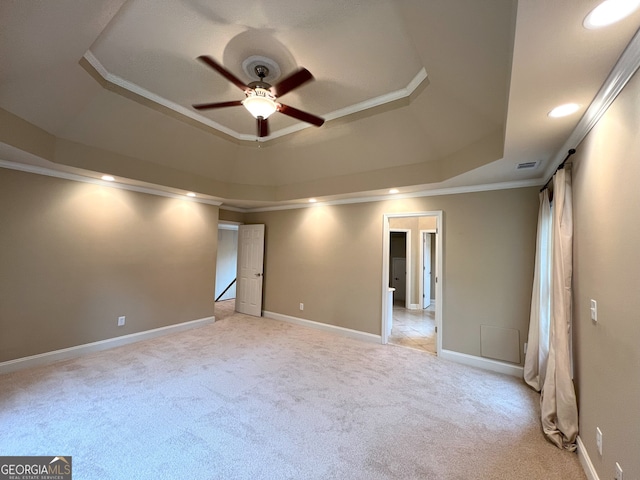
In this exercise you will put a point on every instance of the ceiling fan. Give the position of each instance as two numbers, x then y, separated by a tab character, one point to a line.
261	96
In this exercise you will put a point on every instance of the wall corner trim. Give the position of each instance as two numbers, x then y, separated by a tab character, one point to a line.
484	363
344	332
585	461
79	350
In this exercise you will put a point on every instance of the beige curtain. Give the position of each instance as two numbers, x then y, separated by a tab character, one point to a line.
558	399
535	362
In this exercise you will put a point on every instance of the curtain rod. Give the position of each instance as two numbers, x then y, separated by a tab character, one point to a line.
560	167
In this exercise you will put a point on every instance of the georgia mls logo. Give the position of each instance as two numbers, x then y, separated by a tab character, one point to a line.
35	468
63	465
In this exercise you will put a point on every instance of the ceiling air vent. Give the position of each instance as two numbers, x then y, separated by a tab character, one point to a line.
526	165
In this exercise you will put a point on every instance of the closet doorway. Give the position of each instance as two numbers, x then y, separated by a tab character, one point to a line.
226	270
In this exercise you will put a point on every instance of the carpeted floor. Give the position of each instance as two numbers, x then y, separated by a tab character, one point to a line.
253	398
225	309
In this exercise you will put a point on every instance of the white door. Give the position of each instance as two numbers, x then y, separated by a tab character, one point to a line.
390	311
426	270
250	269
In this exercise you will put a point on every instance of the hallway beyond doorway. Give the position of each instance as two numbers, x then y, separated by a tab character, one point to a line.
414	328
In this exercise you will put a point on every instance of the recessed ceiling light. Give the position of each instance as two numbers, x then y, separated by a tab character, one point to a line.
394	190
564	110
108	178
191	194
608	12
312	200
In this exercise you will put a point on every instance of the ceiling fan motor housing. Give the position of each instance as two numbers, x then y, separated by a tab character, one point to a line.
261	72
260	91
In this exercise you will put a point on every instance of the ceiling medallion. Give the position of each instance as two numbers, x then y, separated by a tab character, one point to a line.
273	69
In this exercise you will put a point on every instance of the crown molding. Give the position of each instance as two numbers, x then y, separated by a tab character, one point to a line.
536	182
345	201
121	186
343	112
619	76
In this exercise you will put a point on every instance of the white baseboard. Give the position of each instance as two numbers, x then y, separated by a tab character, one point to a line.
72	352
585	461
415	306
345	332
484	363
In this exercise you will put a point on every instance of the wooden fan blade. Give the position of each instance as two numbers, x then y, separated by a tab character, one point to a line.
263	127
208	106
300	115
294	80
224	72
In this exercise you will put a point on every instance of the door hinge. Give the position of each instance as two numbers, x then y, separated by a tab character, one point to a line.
436	329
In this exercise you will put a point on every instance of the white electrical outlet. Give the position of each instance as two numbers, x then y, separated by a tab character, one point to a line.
302	306
618	472
121	321
594	310
599	441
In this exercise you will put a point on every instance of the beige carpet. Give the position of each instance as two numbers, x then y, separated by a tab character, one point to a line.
225	309
253	398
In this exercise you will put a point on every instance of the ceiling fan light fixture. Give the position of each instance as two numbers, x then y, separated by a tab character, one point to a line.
260	103
608	12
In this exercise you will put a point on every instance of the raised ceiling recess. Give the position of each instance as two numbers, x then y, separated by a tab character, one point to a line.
156	59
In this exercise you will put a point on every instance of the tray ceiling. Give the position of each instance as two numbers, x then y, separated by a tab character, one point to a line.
417	95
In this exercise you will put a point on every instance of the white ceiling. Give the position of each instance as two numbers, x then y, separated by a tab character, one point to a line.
107	87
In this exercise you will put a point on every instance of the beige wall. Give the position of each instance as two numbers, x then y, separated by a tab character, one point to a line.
330	258
75	256
231	216
606	177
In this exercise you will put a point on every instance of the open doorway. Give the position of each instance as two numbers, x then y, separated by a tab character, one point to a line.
399	261
226	270
413	317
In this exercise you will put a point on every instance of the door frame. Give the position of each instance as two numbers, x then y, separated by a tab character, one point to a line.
407	256
439	238
421	277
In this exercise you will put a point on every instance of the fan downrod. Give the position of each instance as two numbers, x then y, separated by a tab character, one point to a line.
262	72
